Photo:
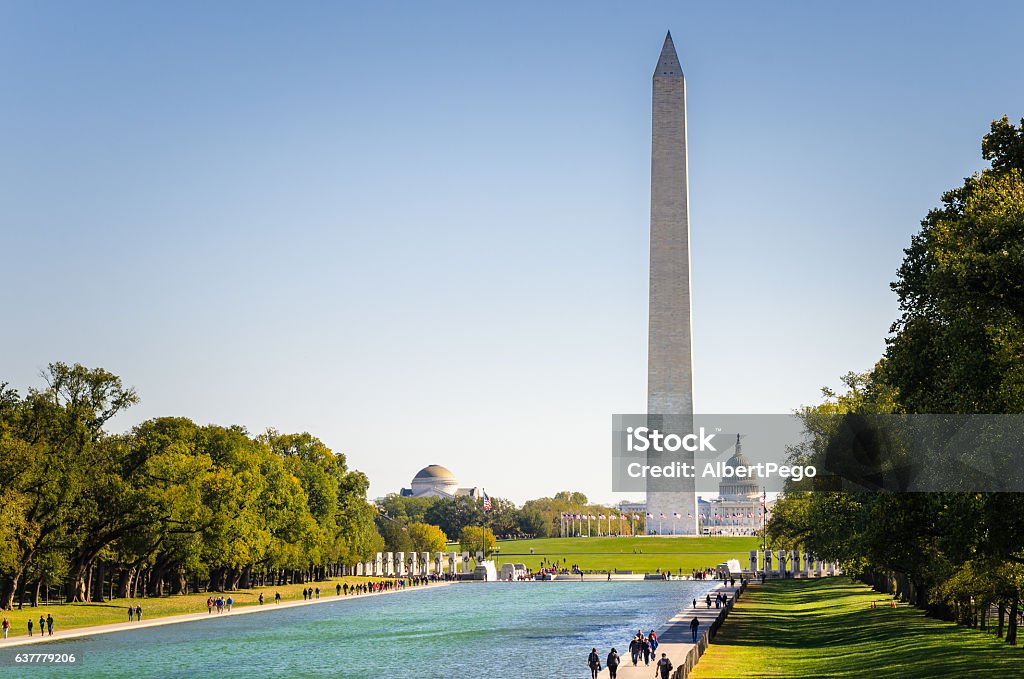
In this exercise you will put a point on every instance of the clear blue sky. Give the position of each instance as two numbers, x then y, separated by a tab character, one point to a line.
419	230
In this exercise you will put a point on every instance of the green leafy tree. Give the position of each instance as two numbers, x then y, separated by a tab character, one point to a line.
427	538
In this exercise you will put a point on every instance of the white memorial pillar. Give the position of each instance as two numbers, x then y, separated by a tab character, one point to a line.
794	561
465	562
753	561
782	563
378	565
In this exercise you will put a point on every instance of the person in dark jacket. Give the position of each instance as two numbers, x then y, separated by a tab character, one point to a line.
594	660
645	646
664	666
612	663
694	624
634	649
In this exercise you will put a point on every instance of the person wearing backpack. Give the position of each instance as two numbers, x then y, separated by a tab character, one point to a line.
594	660
664	666
612	663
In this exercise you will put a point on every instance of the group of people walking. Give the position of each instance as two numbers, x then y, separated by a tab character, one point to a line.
45	626
220	604
135	613
641	646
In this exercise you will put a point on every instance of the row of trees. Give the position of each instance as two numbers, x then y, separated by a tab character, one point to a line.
166	507
462	518
958	347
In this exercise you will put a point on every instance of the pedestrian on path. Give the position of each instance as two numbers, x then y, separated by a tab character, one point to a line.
645	646
49	624
261	598
634	649
277	597
612	663
654	641
131	613
664	667
42	625
30	626
6	624
138	614
594	660
694	626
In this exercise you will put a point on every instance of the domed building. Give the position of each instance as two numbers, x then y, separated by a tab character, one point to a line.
737	510
437	481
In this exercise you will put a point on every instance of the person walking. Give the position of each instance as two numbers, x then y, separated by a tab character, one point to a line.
664	667
49	624
138	613
645	647
131	613
694	625
42	625
261	598
337	589
654	641
708	600
209	605
594	660
30	626
277	597
612	663
6	624
635	648
230	601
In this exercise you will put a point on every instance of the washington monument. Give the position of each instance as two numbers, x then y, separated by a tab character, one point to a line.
670	352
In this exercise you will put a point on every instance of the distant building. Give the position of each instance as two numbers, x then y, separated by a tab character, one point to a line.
437	481
737	509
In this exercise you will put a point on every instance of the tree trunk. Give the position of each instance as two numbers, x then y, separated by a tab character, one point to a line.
35	593
156	581
1011	630
246	578
101	578
1002	620
124	582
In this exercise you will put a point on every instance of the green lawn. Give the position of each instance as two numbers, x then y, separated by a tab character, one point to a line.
824	628
68	616
652	553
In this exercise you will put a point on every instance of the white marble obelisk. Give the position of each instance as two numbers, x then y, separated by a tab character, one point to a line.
670	353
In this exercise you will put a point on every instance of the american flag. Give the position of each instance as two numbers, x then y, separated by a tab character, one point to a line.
487	502
675	515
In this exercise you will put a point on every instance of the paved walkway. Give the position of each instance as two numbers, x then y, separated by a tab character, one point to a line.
192	617
674	638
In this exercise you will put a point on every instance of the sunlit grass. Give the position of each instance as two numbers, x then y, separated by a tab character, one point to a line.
825	628
651	553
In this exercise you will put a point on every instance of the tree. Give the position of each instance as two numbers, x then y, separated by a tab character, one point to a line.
427	538
473	538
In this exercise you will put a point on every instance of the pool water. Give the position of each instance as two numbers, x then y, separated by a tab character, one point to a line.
493	630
